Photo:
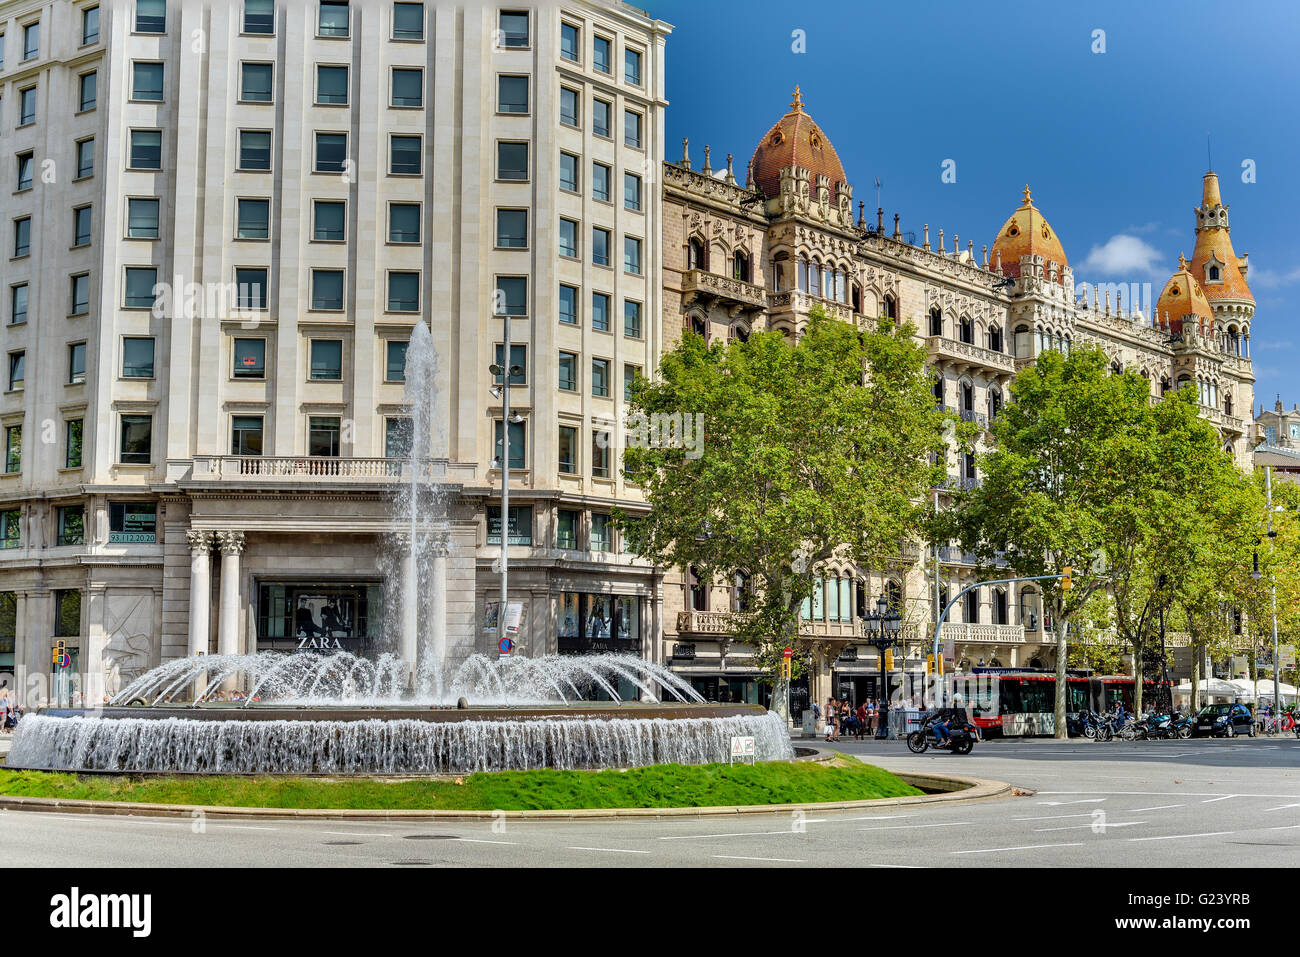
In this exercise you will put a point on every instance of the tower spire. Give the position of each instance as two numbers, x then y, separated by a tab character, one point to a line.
796	105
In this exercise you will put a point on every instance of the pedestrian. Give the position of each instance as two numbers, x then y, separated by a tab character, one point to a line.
871	715
862	719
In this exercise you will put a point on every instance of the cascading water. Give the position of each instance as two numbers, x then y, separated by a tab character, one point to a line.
341	713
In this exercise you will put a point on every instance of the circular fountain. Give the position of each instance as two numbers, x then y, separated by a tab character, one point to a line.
306	712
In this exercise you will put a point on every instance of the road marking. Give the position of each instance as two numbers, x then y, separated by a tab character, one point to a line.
1284	827
357	833
247	827
1084	801
1101	828
779	860
479	840
878	817
609	850
1161	807
704	837
1224	798
1177	837
901	827
1053	817
1175	794
1282	807
1024	847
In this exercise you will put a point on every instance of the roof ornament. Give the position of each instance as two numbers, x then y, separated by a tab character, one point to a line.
796	105
708	168
731	173
1028	200
686	153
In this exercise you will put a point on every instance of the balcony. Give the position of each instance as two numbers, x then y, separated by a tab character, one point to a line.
735	295
802	302
979	418
318	468
967	355
723	624
984	634
1234	424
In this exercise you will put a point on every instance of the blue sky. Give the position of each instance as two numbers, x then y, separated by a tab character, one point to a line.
1113	144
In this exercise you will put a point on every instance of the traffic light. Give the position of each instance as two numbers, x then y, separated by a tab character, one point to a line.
929	664
889	659
1067	581
60	649
939	662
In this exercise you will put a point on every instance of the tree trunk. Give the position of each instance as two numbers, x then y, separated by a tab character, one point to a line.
1062	624
1197	654
1137	678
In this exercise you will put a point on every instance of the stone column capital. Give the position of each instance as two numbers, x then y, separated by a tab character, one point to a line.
440	544
200	541
230	543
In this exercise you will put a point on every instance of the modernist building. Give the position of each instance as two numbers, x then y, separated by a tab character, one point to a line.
739	258
222	222
1276	440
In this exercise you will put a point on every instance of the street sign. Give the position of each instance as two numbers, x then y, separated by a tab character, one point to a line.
788	653
742	748
506	646
514	616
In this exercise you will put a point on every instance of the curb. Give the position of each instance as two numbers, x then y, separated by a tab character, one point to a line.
951	788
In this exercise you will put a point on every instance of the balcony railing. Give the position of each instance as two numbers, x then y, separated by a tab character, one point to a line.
735	292
803	302
969	354
983	634
979	418
725	623
227	468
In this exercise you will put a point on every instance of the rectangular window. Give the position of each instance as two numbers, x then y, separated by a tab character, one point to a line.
23	236
132	522
331	152
570	42
512	94
249	359
408	21
600	312
18	304
600	182
331	85
513	28
568	372
519	522
250	287
512	161
600	377
26	164
518	360
568	238
254	150
403	292
11	528
569	172
137	357
568	450
80	294
405	156
601	537
14	449
88	90
395	361
142	218
600	54
600	112
72	525
67	614
566	528
246	435
333	20
253	219
255	82
137	440
90	26
569	112
259	17
81	218
632	192
146	149
150	16
631	319
327	289
632	255
72	444
630	373
513	294
632	66
569	305
404	222
85	158
31	41
147	82
76	363
328	221
631	129
139	292
408	87
599	454
27	106
327	359
399	436
600	246
518	444
512	228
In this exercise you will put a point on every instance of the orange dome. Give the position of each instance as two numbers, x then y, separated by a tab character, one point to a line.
1027	233
796	140
1183	298
1213	261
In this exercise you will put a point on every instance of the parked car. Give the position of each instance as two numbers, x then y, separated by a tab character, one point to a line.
1224	721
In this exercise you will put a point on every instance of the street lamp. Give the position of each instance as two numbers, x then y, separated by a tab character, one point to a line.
882	630
506	373
1255	574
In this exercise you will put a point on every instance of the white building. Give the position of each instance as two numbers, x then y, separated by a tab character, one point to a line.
223	220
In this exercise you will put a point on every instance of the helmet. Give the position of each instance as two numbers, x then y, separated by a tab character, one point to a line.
957	700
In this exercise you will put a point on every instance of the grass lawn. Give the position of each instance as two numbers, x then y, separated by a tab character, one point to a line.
666	785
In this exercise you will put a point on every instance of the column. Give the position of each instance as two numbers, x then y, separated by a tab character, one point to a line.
231	545
408	640
438	605
200	600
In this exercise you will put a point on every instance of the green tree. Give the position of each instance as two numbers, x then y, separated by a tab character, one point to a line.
817	449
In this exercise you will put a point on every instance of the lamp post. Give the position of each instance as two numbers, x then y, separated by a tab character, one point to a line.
882	630
505	369
1255	574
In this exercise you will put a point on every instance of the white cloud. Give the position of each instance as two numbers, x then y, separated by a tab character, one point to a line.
1124	258
1271	278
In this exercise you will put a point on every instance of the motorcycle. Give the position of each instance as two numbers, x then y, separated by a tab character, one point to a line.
960	741
1181	725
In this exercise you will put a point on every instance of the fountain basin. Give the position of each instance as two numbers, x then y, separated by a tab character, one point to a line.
391	740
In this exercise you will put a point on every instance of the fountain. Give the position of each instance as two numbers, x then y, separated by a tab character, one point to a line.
340	713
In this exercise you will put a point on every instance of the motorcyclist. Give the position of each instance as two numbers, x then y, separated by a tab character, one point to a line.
946	718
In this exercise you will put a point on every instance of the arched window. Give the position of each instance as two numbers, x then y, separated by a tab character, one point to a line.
967	397
697	256
1000	611
856	297
936	322
815	279
894	596
1212	273
966	330
1227	403
971	607
802	278
697	590
738	333
781	272
699	326
741	590
740	267
938	389
995	403
891	307
1029	609
1024	342
1164	384
995	338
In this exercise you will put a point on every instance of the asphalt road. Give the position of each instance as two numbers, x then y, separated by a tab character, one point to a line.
1202	803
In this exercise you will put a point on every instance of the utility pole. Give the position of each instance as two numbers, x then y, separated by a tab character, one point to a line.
1272	534
505	482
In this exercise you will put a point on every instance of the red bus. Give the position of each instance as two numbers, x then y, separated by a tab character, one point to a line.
1022	702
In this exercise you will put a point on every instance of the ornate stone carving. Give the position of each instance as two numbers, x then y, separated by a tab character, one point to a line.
200	541
230	543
